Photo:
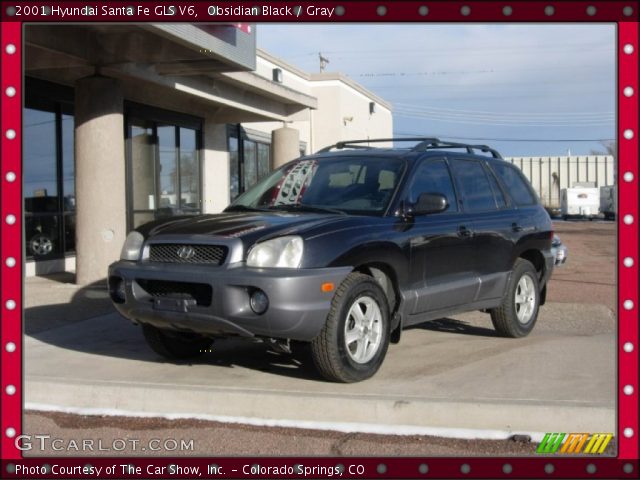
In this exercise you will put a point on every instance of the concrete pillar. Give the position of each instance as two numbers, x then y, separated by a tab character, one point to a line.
100	176
285	145
215	167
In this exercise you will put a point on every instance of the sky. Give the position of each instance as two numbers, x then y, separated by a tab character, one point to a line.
496	84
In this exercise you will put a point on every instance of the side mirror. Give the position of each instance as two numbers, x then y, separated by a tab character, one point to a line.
430	203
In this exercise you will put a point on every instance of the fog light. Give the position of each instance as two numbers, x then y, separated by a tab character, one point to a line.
117	289
120	291
259	302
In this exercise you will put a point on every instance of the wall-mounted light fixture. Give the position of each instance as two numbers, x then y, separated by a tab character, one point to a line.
277	75
372	108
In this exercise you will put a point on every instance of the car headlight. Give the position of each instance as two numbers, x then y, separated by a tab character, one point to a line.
285	252
132	247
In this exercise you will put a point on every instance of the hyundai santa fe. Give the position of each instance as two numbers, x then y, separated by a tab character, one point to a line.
342	250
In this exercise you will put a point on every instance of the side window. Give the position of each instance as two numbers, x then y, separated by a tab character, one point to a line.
515	183
433	177
476	192
497	192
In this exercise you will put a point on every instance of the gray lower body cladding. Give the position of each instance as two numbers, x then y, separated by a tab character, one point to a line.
217	300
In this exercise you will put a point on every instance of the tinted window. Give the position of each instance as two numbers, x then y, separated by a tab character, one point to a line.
497	192
433	177
476	192
515	183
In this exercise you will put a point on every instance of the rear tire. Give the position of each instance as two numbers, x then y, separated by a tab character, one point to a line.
175	345
517	314
355	337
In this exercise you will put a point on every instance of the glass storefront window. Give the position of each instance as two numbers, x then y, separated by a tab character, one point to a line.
40	174
189	171
48	176
168	201
234	168
163	165
250	166
68	164
264	160
249	160
143	170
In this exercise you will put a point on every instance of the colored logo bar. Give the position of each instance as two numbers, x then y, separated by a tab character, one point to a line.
574	443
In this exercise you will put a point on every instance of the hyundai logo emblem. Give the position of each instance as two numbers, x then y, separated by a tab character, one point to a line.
186	252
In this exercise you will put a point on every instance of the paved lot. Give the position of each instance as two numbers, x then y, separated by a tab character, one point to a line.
449	374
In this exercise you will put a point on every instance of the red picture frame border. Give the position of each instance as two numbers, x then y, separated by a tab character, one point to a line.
626	462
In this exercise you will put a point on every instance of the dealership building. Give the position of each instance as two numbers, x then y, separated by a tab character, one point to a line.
123	124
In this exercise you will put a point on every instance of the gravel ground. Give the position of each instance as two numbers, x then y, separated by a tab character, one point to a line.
588	277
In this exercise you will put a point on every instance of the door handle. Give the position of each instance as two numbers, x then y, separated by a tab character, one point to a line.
464	231
515	227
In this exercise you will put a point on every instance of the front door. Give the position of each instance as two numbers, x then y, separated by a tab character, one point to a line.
442	263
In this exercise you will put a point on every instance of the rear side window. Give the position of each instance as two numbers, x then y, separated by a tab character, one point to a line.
515	183
497	192
476	192
433	177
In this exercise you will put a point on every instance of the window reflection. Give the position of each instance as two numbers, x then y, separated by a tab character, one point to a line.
143	167
39	154
250	167
189	172
234	168
168	170
251	163
48	188
164	168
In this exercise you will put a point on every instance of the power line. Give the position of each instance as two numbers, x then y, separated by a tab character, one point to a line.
493	121
454	137
460	111
477	48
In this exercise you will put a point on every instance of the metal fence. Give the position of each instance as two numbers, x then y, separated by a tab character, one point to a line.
549	175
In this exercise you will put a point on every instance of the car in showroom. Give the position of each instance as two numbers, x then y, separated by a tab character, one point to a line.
342	249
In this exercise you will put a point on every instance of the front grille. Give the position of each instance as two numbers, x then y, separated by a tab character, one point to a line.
185	253
200	292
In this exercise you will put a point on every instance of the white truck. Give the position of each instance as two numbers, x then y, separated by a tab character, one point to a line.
580	202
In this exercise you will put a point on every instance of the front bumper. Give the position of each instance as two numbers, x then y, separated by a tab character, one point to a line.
297	305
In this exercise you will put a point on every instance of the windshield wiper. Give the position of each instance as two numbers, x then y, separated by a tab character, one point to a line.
301	207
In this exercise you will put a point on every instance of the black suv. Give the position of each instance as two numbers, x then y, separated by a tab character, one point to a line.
343	249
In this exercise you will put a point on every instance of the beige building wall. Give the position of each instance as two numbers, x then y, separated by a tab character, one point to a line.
344	114
343	111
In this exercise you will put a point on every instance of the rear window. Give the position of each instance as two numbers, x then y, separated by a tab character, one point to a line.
515	183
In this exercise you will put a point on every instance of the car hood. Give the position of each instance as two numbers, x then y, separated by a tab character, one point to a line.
248	226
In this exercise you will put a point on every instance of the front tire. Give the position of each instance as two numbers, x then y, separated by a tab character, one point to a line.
518	313
175	345
355	337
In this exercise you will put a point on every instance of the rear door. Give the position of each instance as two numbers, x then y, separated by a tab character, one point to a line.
493	223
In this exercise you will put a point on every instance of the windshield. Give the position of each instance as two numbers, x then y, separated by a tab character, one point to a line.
359	185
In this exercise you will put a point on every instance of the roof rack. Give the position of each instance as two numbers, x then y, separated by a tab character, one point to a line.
426	143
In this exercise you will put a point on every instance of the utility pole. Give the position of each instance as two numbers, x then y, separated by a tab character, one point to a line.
323	62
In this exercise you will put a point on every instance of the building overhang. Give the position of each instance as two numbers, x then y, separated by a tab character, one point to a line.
181	64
